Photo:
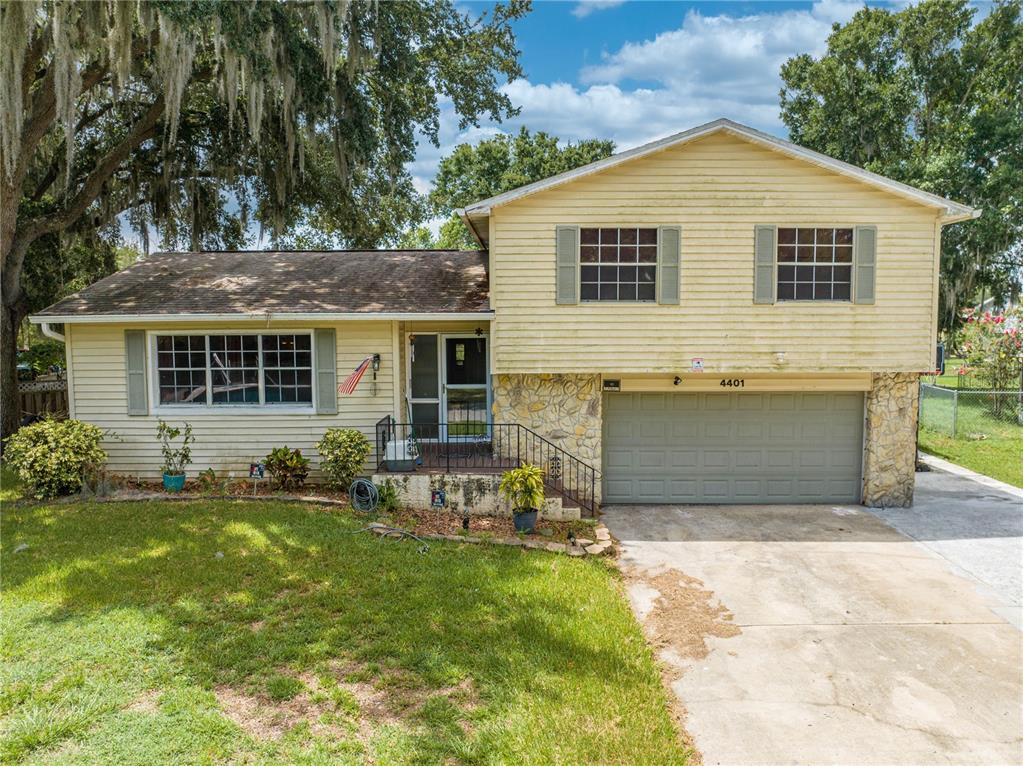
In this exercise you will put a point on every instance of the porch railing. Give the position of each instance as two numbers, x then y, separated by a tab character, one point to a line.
478	446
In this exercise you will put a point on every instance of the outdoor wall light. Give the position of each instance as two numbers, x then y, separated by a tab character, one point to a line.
779	357
376	363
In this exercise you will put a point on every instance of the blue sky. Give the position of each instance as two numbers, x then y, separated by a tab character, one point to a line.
637	71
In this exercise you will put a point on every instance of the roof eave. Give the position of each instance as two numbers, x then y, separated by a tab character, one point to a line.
268	316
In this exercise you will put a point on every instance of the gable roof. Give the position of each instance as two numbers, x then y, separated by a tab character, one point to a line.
296	284
952	211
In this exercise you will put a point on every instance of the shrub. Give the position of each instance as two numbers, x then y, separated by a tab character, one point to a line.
175	458
387	497
993	347
207	481
52	457
343	452
288	469
523	487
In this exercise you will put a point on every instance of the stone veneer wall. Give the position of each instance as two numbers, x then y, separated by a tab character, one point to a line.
889	443
562	408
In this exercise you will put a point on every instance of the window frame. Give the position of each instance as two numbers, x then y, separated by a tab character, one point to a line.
655	264
815	301
209	408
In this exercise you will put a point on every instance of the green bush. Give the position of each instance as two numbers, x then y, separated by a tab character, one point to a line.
42	355
208	482
288	469
343	452
387	498
52	457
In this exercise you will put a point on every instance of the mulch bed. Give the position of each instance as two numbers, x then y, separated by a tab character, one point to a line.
449	523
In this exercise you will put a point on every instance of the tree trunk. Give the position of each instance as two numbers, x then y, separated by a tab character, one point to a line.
10	320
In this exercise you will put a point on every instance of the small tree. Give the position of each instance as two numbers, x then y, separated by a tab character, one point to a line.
175	458
993	347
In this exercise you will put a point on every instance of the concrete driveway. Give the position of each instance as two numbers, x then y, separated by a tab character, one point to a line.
823	635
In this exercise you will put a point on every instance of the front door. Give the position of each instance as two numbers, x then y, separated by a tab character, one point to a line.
449	385
466	399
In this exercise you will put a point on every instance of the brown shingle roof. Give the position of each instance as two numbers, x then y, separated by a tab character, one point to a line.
346	281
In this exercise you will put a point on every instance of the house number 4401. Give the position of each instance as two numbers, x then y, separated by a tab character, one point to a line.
733	383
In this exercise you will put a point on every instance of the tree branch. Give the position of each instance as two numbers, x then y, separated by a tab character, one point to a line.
31	230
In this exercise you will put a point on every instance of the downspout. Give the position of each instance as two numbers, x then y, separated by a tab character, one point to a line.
49	332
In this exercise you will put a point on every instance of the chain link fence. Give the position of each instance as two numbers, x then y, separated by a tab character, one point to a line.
970	414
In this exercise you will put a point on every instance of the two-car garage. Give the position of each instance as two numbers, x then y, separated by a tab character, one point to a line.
741	447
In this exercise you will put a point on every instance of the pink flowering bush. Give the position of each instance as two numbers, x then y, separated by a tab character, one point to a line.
993	348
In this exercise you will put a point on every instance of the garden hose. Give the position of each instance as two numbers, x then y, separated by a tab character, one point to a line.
363	495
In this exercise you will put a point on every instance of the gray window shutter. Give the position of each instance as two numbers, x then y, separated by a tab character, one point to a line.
135	366
865	260
326	372
567	289
669	247
763	263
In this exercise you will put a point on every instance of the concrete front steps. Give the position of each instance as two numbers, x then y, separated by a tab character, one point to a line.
472	492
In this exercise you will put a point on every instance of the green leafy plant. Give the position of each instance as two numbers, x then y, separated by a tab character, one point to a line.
387	498
992	346
343	452
208	483
287	467
523	488
52	457
175	458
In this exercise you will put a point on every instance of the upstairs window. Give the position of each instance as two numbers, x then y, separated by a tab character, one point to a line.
618	264
814	264
238	369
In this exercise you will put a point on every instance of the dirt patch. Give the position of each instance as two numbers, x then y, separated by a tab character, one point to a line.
336	705
147	702
683	616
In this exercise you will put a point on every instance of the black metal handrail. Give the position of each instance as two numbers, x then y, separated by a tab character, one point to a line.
475	445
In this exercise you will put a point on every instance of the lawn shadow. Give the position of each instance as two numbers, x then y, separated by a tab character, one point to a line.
247	592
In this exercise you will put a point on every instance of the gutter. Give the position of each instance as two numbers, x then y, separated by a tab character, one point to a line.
265	316
970	215
49	332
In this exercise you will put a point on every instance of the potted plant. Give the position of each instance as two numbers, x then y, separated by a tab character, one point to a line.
523	488
174	458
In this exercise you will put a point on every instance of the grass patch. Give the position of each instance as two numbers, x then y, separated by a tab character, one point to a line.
983	443
126	638
1000	459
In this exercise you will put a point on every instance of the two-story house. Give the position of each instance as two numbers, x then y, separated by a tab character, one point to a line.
716	317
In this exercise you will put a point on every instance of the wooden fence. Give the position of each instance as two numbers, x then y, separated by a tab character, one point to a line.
41	397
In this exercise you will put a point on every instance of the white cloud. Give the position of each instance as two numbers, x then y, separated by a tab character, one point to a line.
585	7
710	66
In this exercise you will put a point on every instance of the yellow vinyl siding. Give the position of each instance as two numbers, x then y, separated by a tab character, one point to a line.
717	189
224	440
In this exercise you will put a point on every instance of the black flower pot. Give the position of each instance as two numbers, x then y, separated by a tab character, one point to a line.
525	521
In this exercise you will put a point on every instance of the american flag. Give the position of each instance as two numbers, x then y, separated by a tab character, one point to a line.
347	386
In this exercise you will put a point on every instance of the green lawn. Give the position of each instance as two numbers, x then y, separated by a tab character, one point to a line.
126	638
983	443
1000	459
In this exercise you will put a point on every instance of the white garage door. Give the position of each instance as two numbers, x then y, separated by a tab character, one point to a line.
732	448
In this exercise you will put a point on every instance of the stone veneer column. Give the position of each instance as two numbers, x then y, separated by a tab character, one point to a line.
564	409
889	443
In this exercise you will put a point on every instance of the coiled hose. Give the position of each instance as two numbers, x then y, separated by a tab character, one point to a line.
363	495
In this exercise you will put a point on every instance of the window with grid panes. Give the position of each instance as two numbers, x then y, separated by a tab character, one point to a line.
814	264
238	369
618	264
